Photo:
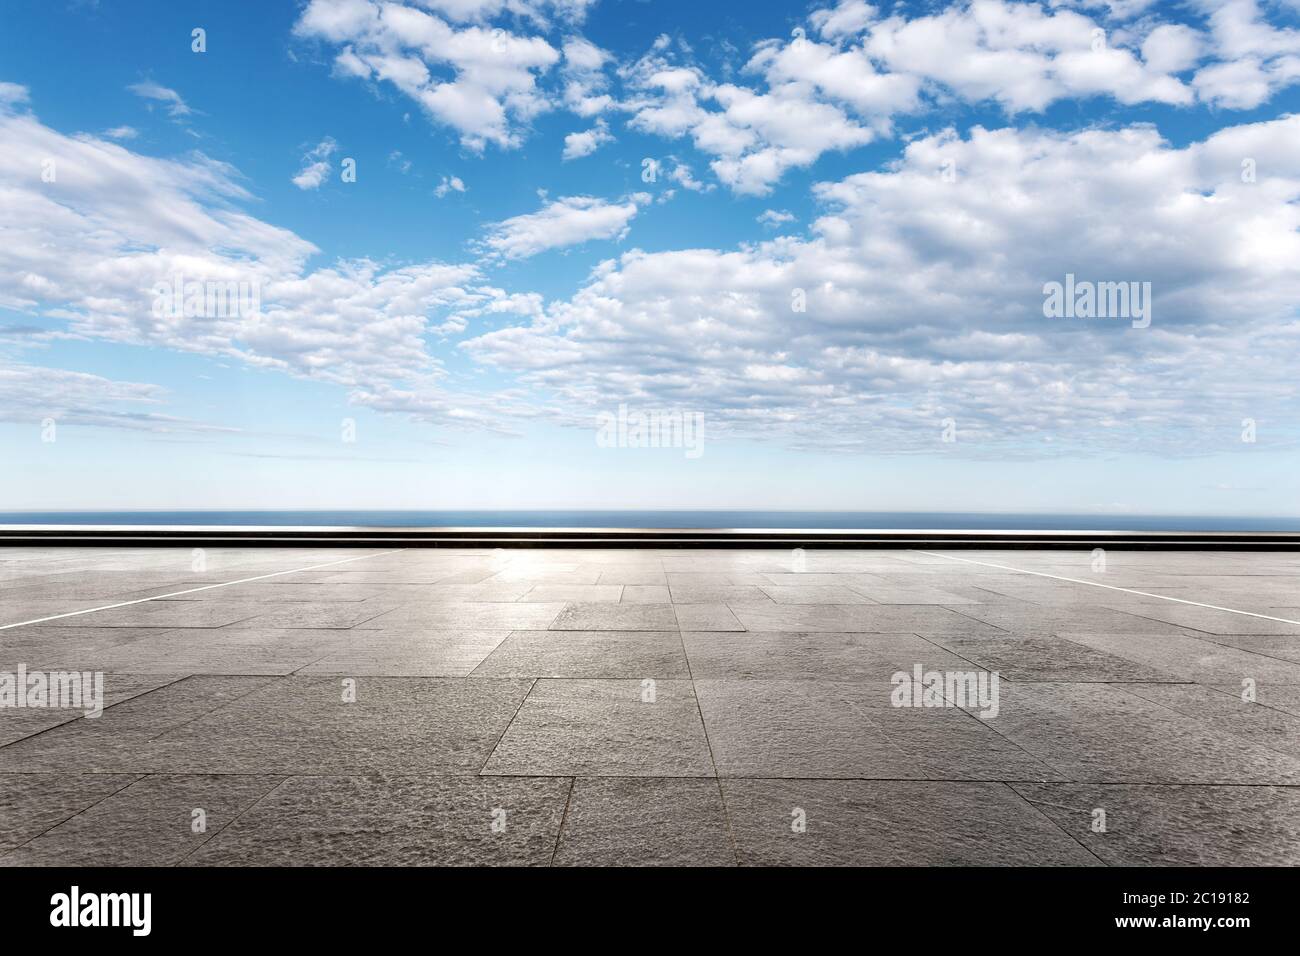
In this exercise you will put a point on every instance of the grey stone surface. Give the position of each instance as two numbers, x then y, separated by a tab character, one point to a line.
1098	732
32	803
645	821
892	823
616	617
707	617
879	618
1020	657
491	679
716	594
414	653
605	728
467	615
395	820
819	655
646	594
152	822
1194	658
583	654
17	723
1177	825
816	594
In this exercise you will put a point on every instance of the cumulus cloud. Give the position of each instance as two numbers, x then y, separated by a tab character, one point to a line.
564	222
316	165
449	184
1256	59
774	217
585	81
924	301
846	19
586	142
101	252
756	136
1020	56
12	94
479	80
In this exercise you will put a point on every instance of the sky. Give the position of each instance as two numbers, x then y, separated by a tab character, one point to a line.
348	254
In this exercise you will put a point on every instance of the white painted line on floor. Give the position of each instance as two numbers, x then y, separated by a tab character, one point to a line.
206	587
1111	587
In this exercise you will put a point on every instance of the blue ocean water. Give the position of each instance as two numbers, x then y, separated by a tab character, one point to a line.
884	520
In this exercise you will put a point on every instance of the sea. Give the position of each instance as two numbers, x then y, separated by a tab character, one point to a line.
881	520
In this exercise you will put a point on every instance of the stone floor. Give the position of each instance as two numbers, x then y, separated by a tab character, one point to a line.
348	707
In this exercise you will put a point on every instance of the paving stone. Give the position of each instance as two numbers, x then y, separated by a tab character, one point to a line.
715	594
1044	621
289	725
32	803
707	617
1283	646
815	594
1227	712
152	822
800	729
170	614
1177	825
616	617
646	594
587	654
824	655
574	592
630	821
875	617
398	653
467	616
1100	733
17	723
1216	622
605	728
1023	658
395	820
644	576
1191	658
892	823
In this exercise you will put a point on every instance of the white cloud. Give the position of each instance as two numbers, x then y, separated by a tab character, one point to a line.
400	162
774	218
847	18
122	132
1019	56
316	165
586	142
176	105
756	136
1256	59
847	76
585	82
449	184
560	223
1172	48
682	175
12	94
30	394
924	301
91	252
478	80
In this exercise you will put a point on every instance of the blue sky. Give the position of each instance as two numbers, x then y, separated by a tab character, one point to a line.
503	271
